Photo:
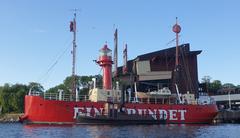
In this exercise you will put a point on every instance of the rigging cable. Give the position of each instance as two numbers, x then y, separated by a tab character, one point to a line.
46	74
188	81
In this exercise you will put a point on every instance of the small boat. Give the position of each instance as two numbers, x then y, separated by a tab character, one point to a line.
117	116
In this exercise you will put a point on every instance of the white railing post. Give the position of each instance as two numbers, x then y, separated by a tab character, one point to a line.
94	83
77	97
129	95
117	85
135	87
60	94
29	92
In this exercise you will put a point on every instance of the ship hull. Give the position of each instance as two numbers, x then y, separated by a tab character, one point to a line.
39	110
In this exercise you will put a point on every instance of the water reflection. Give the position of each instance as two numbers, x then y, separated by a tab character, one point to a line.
30	126
103	131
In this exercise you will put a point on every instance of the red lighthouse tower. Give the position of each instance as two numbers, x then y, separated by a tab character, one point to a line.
105	61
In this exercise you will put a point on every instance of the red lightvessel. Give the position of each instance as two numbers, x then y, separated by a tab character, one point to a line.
107	105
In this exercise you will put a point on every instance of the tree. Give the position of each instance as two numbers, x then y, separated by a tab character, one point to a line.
58	87
34	86
69	81
238	86
85	83
206	80
18	93
12	97
215	85
228	85
82	83
1	88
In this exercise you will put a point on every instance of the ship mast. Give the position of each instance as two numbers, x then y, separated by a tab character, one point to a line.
73	29
116	53
177	29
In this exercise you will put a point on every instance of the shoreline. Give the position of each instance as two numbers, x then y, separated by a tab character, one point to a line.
10	117
228	116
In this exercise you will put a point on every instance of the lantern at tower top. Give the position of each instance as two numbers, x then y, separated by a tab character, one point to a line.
176	28
105	51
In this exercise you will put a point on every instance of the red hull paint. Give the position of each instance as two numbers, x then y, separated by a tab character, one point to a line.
38	110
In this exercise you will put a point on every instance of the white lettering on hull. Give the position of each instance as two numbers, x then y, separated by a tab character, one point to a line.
77	110
182	114
173	115
157	114
163	114
131	111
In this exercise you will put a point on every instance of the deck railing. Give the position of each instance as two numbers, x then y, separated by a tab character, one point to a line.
151	100
60	97
68	97
34	93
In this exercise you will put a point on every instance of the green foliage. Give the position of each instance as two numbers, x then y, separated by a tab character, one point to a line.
228	85
67	83
12	96
82	82
206	79
58	87
34	86
84	91
215	85
238	86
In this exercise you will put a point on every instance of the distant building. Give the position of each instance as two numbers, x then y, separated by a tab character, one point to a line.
227	101
155	70
227	98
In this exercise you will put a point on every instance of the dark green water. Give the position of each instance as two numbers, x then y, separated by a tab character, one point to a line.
17	130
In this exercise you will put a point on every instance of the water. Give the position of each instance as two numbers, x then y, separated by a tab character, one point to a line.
106	131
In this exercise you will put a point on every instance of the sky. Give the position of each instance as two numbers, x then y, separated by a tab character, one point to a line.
35	42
